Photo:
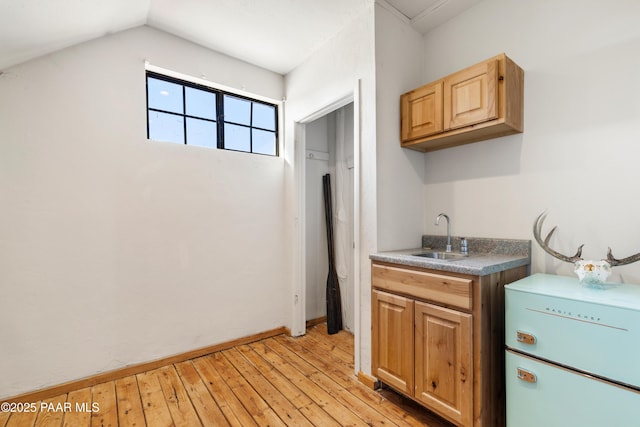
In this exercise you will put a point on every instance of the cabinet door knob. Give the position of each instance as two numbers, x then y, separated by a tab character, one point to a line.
525	337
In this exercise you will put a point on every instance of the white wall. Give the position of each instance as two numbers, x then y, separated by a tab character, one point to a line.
116	250
578	155
329	75
399	172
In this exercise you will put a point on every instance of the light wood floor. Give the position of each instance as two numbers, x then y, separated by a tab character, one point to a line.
281	381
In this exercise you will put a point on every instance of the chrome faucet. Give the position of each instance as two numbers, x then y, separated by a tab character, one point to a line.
448	229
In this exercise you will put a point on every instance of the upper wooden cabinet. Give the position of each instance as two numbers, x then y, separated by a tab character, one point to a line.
422	111
480	102
471	95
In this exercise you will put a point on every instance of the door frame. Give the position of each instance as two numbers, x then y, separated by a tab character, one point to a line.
299	291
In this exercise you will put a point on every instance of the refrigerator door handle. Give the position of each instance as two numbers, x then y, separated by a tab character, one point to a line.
525	337
527	376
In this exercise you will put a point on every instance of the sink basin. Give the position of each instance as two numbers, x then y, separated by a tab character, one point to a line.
442	255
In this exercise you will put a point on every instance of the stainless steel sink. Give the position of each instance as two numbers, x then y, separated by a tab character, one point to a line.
442	255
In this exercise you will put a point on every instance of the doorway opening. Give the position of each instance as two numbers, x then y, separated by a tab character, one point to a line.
329	149
351	146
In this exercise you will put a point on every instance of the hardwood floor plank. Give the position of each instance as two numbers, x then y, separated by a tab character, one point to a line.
365	412
130	413
24	418
156	411
410	410
324	399
318	416
252	401
310	409
177	398
105	395
342	339
51	411
324	358
231	407
336	350
282	383
344	375
205	405
80	414
341	374
287	412
279	381
4	417
398	409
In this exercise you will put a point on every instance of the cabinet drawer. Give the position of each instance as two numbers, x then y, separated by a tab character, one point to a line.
439	288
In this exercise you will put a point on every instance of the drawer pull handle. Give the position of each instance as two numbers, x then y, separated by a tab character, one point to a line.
527	376
526	338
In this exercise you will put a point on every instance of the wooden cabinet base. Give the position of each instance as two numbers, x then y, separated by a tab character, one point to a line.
433	347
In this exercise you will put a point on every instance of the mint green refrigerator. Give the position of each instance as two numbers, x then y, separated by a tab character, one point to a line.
572	353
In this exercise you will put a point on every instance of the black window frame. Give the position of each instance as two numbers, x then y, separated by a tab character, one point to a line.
220	119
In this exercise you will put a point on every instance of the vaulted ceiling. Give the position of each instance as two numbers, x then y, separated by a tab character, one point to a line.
275	34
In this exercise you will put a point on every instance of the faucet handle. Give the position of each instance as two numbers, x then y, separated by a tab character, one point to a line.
464	248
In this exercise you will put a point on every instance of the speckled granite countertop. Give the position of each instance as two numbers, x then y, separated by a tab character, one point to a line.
486	256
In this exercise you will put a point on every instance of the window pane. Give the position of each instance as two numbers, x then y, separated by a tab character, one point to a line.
200	103
166	127
237	110
264	116
164	95
264	142
201	133
184	112
236	138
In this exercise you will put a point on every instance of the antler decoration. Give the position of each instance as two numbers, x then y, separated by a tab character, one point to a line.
537	228
628	260
544	244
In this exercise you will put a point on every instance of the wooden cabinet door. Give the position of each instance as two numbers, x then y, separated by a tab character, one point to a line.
471	95
443	361
421	112
392	340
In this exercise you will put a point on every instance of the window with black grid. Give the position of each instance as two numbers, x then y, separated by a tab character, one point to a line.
187	113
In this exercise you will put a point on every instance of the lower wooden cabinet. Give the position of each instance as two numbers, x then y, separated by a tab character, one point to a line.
393	340
443	362
438	338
